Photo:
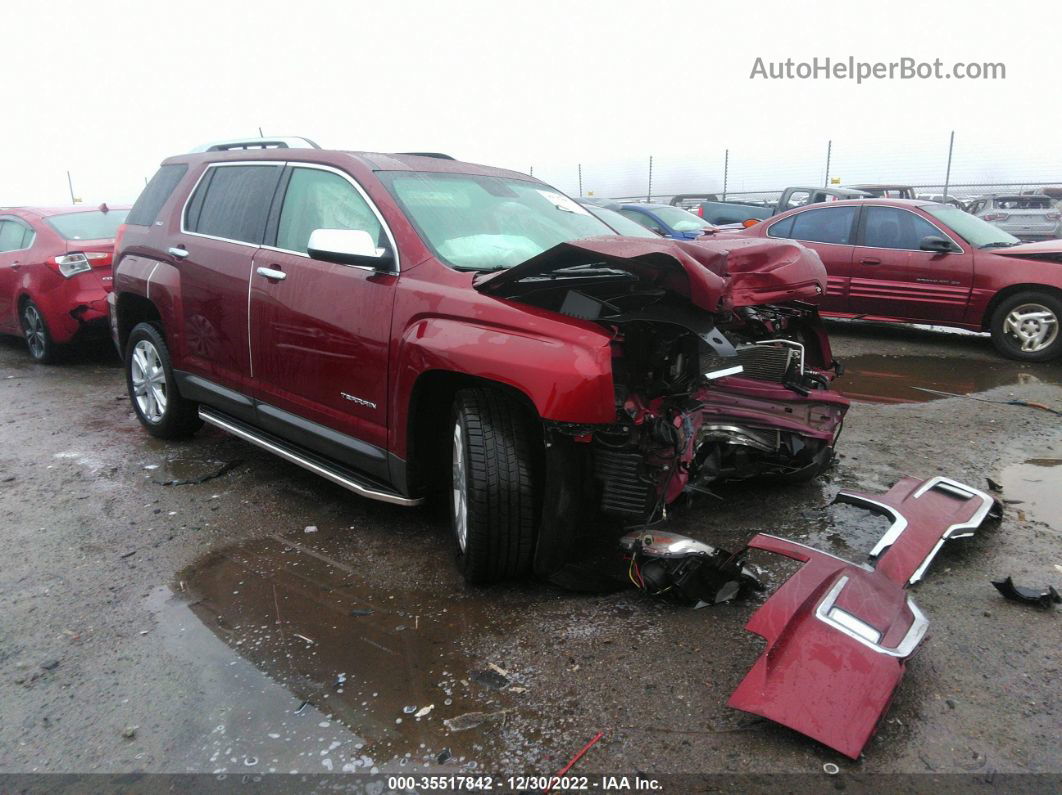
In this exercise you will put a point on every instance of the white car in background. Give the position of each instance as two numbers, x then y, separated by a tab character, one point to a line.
1028	217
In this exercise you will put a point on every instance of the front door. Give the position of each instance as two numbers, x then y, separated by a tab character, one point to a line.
320	332
892	277
15	239
830	232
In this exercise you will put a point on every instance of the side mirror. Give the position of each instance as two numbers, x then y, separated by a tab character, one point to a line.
349	247
936	244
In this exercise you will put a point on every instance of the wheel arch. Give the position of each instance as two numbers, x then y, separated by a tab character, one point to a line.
1014	289
428	421
132	309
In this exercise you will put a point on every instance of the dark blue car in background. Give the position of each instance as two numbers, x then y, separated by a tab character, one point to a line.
666	220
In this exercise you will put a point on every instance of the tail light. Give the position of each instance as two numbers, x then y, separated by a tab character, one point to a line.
700	211
118	238
996	216
68	265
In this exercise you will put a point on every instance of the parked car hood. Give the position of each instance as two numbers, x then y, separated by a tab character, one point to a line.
1044	250
713	274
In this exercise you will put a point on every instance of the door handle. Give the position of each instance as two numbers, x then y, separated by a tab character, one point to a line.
271	273
16	265
870	261
176	251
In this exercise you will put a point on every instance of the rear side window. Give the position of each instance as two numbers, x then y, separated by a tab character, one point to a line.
232	202
889	227
827	225
15	235
317	199
90	225
146	210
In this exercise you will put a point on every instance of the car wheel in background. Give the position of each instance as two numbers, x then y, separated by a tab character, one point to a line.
35	330
494	495
1025	326
152	389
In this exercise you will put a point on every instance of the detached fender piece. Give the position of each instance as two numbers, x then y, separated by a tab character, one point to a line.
924	515
838	636
838	633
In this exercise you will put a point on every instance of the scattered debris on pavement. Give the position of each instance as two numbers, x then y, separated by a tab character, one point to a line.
1041	597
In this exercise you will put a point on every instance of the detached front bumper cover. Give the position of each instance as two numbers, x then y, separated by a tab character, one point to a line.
839	633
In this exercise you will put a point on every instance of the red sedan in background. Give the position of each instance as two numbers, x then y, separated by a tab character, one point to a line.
912	261
55	272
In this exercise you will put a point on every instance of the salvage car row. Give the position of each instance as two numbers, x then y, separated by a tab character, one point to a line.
413	327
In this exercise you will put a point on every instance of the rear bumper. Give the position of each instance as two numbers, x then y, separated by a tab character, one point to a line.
73	306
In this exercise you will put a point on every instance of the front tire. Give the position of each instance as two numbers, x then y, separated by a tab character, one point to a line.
153	389
38	339
1025	326
494	504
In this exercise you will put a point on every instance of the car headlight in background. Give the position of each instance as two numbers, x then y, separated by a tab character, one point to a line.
72	264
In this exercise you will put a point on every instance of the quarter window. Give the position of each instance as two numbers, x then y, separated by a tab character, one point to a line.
889	227
146	209
825	225
317	199
15	235
233	202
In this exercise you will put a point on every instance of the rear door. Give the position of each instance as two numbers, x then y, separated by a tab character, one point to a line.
893	278
222	226
320	332
16	237
830	232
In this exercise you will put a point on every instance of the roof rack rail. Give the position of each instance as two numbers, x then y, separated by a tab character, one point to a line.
438	155
279	142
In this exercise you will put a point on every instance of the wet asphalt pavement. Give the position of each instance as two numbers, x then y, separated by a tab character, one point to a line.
207	607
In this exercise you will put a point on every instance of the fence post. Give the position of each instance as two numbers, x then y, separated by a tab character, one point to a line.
580	180
829	148
532	172
947	174
649	192
70	183
726	170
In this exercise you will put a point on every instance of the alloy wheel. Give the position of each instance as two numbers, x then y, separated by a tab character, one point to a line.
460	488
149	381
36	336
1032	326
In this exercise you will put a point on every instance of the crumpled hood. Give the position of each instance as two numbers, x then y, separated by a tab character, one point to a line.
713	274
1044	250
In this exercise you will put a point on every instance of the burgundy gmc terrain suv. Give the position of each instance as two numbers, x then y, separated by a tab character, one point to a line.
408	325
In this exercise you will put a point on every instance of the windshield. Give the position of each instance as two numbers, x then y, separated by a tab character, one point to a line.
486	223
971	228
94	225
621	223
680	220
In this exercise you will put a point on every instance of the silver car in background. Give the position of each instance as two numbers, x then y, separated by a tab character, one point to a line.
1026	216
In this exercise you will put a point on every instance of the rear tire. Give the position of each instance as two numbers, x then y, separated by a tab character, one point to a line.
1025	326
38	339
153	389
494	501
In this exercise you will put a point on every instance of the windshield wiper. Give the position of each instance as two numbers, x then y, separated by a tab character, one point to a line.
1000	244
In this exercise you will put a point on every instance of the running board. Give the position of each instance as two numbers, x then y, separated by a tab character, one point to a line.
339	475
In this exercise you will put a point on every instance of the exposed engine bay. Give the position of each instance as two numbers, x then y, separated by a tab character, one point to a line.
701	396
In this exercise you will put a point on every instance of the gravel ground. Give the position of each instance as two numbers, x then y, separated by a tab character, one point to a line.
206	607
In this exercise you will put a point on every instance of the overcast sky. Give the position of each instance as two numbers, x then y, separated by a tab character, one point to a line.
107	89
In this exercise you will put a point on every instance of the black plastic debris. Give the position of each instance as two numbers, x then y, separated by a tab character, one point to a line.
361	611
444	756
1041	597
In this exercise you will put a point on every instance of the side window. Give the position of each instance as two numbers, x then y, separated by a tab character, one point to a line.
826	225
889	227
14	235
146	209
643	219
797	198
317	199
233	202
782	228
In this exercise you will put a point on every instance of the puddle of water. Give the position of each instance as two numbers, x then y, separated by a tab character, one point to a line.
370	657
890	379
1037	485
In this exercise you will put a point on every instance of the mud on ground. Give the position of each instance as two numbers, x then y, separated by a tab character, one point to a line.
168	608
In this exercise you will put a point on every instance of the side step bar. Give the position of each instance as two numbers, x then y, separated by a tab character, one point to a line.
344	477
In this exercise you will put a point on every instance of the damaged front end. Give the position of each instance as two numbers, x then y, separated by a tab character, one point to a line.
721	370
